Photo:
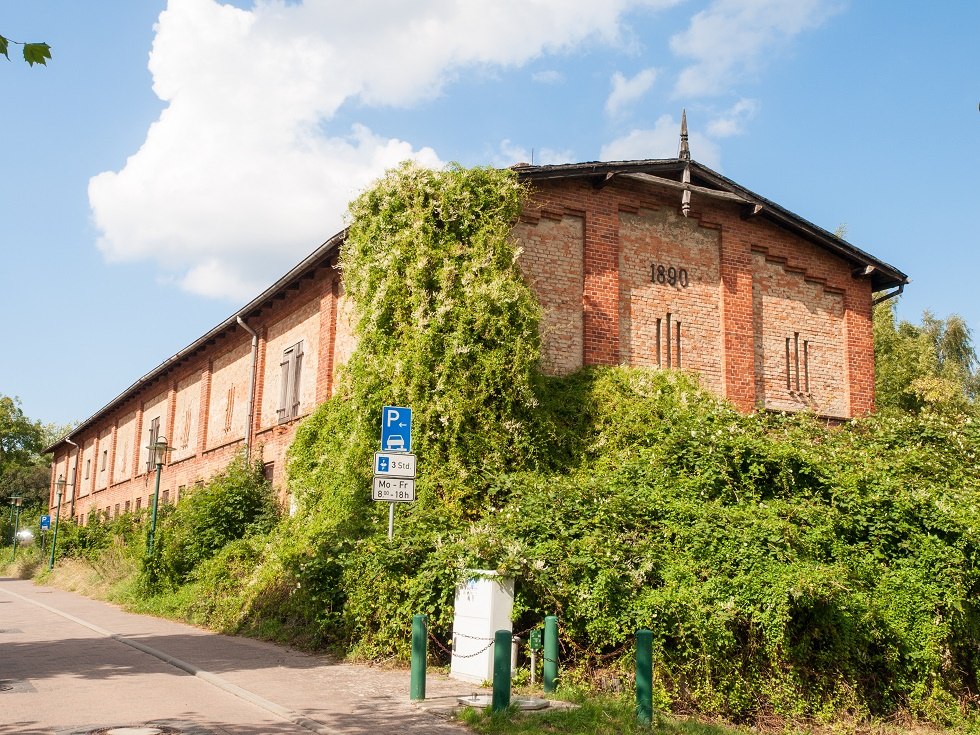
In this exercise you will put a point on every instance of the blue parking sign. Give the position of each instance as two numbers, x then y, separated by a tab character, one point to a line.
396	429
45	523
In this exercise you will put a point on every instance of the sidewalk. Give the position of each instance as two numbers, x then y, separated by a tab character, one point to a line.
63	673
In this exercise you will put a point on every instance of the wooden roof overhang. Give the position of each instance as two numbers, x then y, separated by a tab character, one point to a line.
323	256
703	181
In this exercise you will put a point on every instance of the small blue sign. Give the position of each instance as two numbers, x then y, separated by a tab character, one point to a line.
396	429
45	523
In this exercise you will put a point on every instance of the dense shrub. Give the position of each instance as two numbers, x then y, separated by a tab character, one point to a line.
234	504
783	566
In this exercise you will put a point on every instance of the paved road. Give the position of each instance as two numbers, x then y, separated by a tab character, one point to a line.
70	665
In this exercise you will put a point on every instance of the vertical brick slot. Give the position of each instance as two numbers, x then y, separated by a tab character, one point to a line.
678	350
659	321
796	358
789	370
668	340
806	365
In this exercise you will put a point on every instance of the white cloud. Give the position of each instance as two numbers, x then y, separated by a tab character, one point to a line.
661	141
548	76
732	121
510	153
731	37
238	178
626	91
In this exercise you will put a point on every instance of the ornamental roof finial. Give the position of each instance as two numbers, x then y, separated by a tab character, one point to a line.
685	151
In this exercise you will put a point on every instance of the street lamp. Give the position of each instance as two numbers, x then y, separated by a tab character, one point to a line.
15	502
158	453
60	485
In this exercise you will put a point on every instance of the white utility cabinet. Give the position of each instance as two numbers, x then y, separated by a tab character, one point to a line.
484	604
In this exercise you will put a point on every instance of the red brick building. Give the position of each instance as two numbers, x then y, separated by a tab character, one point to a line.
658	263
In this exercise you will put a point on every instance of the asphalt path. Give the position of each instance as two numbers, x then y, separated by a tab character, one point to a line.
72	666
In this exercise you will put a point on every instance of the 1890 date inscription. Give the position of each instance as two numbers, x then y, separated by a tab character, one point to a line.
668	275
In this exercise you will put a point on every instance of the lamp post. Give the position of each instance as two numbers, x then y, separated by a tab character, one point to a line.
158	451
15	502
60	485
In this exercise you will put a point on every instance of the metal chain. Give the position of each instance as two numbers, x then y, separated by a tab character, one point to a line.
439	643
463	635
477	653
564	642
471	637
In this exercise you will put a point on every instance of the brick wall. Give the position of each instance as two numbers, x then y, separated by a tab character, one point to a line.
552	247
799	342
122	465
229	392
196	400
155	407
300	326
733	288
670	310
344	339
750	284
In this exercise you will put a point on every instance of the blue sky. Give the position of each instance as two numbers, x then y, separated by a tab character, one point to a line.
163	169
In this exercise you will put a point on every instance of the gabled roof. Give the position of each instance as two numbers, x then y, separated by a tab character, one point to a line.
705	182
665	172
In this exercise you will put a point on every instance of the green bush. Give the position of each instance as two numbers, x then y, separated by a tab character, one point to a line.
236	503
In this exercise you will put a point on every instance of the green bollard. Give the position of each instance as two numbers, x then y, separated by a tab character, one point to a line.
550	653
644	676
419	653
501	670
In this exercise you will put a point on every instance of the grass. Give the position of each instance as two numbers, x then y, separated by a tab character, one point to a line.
593	716
26	565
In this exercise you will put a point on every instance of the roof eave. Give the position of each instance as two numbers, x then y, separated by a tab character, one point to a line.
313	260
883	276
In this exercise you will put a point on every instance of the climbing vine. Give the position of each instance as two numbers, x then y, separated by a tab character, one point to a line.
445	324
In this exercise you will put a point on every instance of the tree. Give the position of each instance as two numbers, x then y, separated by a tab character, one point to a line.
23	469
932	365
34	53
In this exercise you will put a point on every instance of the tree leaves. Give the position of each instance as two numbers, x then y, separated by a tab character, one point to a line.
37	53
928	366
34	53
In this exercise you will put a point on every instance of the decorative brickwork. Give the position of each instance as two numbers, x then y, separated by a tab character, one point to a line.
670	306
799	342
125	442
187	414
229	389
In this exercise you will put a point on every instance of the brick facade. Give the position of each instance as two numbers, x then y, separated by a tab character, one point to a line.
766	309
